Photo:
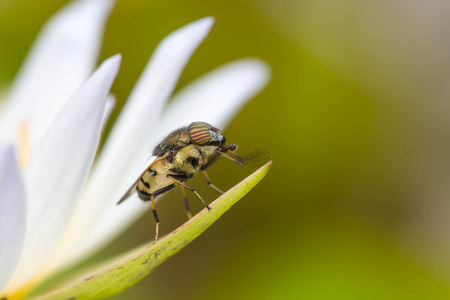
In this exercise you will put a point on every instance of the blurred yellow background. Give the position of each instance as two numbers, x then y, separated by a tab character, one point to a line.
356	205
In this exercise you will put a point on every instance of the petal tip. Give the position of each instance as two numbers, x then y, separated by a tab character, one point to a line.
101	5
113	62
101	8
207	21
202	25
260	70
116	57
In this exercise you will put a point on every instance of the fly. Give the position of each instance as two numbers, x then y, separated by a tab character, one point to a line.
179	157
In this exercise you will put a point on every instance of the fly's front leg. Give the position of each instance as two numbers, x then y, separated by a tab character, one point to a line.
186	204
190	188
220	151
209	182
230	147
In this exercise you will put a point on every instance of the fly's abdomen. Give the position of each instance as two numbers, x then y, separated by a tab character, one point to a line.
152	183
143	190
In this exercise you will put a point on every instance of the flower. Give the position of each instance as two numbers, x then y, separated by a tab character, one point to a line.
60	208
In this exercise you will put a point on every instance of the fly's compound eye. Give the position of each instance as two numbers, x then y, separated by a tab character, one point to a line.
200	133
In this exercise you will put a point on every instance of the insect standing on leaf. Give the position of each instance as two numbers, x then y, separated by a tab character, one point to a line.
179	157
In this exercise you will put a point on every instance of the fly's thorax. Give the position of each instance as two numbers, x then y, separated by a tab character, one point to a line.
174	141
187	160
209	152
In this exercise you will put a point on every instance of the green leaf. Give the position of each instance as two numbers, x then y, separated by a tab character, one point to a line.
135	267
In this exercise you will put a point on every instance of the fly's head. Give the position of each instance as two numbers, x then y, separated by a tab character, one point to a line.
204	134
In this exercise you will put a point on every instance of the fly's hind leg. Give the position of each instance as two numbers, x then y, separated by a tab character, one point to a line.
189	188
155	215
152	199
186	203
209	182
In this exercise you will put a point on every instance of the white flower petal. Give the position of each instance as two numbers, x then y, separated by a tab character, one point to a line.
214	98
61	59
110	104
126	149
12	215
217	96
58	169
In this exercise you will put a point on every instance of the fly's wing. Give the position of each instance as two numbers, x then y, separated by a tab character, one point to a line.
129	192
132	189
256	158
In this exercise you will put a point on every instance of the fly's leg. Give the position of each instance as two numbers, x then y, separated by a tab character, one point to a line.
155	215
230	147
151	197
189	188
209	182
232	156
186	204
220	152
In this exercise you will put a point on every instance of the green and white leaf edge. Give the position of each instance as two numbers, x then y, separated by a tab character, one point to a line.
134	267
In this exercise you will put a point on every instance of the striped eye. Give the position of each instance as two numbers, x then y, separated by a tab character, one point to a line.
199	133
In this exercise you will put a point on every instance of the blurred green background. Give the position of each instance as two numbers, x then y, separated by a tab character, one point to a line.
356	118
